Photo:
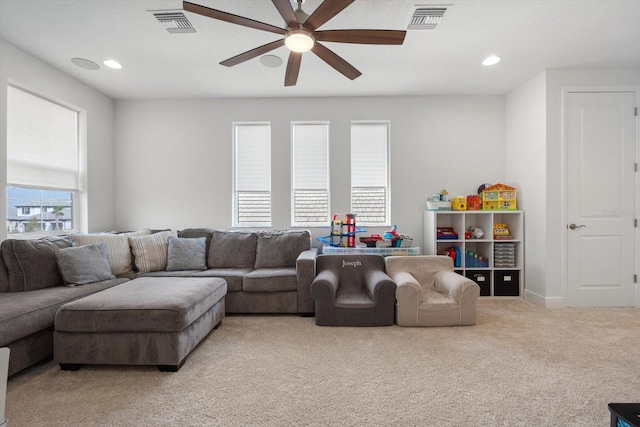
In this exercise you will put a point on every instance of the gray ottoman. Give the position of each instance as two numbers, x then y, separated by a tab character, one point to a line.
146	321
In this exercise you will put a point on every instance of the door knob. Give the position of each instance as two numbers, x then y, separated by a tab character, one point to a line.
575	227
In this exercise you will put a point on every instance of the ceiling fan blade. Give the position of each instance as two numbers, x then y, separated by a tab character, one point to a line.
335	61
286	11
230	17
250	54
327	10
293	69
395	37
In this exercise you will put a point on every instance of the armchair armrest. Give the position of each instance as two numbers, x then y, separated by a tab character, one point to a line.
454	284
383	293
408	291
323	293
376	280
324	287
305	273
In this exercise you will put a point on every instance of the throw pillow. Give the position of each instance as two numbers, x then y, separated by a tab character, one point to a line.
80	265
186	253
150	252
118	251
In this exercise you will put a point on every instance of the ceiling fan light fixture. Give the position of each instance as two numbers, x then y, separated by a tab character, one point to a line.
299	41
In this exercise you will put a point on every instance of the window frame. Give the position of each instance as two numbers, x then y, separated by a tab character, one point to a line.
387	123
79	195
234	194
293	221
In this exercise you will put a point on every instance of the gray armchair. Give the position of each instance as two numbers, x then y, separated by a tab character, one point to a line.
430	293
352	290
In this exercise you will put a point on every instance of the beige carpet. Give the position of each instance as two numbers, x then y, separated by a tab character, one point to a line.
520	366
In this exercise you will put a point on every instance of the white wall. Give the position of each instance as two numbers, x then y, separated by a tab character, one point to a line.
174	166
18	67
526	139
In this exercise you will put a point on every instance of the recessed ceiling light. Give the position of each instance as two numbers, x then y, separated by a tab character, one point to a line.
85	63
112	64
491	60
271	61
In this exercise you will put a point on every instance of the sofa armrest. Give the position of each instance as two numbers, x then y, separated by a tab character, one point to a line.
306	272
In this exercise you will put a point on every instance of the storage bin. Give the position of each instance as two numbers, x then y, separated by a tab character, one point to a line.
482	278
506	283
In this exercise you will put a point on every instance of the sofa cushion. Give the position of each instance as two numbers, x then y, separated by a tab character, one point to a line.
186	253
4	277
31	264
118	251
194	233
233	276
271	280
80	265
281	248
232	249
25	313
151	252
145	304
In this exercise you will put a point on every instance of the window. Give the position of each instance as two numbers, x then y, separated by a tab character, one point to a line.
252	175
370	172
310	174
43	174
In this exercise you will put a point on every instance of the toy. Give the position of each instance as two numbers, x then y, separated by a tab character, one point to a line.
459	203
453	252
446	233
371	240
473	203
391	233
439	202
474	233
343	230
499	196
501	232
472	259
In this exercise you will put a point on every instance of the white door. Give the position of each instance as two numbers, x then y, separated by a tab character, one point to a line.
601	143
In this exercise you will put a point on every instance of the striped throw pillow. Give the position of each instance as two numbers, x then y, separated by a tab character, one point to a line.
151	252
117	246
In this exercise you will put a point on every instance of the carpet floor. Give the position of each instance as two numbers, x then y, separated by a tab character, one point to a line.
521	365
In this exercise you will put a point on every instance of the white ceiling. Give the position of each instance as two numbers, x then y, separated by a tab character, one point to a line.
529	35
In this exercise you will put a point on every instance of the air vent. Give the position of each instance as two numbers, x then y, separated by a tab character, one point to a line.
175	22
426	18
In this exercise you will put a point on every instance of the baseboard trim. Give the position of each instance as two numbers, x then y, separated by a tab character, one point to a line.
542	301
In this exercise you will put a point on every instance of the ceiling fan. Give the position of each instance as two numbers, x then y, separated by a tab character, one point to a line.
301	35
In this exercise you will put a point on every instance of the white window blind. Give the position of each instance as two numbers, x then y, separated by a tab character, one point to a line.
42	142
310	174
252	192
370	172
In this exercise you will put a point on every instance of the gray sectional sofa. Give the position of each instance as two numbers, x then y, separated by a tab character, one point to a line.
265	272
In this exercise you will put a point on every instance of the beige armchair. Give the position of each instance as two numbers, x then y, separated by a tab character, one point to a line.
430	293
